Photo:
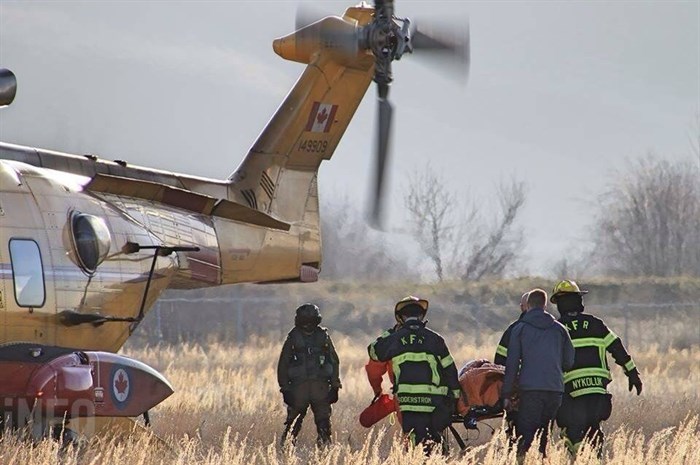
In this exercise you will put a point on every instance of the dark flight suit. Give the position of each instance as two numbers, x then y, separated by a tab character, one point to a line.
308	375
425	381
586	401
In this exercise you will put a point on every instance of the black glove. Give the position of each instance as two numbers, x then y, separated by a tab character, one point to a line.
288	397
634	382
333	395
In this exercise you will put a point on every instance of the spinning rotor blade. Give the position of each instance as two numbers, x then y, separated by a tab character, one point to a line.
447	44
308	14
8	87
384	115
343	41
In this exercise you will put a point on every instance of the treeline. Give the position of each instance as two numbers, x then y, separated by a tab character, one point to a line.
645	311
645	223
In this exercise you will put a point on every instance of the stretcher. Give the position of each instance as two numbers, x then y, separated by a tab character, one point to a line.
471	420
480	382
480	388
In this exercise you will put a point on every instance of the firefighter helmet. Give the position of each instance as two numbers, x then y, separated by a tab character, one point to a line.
410	306
307	316
565	287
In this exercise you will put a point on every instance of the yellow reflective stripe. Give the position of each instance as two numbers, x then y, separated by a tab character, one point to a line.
416	357
602	344
603	359
609	339
590	390
581	372
571	447
372	351
500	350
629	366
446	361
588	342
417	408
422	389
456	393
412	438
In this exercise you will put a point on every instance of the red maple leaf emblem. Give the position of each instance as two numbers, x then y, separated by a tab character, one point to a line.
121	383
323	116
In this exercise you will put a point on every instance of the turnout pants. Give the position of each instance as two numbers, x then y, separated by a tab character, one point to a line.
312	393
580	417
422	428
536	412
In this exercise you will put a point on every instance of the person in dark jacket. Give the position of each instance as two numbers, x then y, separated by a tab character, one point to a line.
586	401
539	352
500	359
425	380
308	374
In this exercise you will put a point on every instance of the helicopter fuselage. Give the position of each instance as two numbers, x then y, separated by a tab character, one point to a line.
44	275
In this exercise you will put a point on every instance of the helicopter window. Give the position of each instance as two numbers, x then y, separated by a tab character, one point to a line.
27	273
91	239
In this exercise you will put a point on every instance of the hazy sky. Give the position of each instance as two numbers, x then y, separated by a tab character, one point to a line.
560	94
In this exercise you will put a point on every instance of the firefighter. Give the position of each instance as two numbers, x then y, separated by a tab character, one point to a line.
539	352
425	376
587	402
502	350
308	374
500	359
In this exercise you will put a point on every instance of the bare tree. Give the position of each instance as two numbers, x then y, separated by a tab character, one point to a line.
431	207
649	221
453	234
499	246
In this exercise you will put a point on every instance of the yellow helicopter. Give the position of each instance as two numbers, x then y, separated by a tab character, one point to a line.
88	245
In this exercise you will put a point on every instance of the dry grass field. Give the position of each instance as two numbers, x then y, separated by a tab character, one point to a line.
227	410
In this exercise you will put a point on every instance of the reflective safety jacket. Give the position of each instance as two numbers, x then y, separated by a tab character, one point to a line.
306	357
592	339
502	350
425	375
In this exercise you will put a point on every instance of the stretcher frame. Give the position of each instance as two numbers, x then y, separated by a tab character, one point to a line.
471	420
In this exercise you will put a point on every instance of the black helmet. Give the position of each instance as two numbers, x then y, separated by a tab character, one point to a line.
308	316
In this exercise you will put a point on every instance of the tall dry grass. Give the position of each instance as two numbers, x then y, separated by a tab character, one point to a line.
227	410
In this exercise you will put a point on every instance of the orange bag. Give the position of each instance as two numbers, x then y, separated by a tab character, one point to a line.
377	410
481	383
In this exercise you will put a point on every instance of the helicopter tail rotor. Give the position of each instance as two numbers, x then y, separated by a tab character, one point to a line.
389	37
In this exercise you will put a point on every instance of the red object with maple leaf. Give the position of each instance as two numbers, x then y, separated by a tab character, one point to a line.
121	384
60	382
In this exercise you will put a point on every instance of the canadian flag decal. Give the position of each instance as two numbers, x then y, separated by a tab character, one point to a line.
321	117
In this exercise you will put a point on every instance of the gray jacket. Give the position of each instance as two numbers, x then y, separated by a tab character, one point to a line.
539	352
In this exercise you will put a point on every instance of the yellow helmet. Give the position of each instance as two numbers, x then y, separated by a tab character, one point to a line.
409	300
565	287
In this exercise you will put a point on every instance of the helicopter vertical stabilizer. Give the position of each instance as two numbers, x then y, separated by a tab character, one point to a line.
278	176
